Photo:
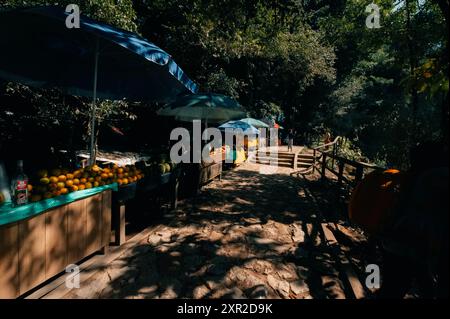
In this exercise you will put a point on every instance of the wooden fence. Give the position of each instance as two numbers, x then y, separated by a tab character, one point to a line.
348	172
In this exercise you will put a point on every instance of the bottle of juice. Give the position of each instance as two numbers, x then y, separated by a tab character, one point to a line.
19	191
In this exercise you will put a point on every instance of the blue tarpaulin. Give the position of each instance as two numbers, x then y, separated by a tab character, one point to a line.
37	49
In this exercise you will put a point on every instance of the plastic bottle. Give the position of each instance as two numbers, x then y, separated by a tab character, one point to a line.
19	190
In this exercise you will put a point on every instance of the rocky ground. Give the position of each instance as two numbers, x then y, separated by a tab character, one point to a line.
251	235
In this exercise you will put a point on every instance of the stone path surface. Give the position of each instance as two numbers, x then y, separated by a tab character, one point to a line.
250	235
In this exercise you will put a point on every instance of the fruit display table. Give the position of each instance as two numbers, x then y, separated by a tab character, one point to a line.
39	240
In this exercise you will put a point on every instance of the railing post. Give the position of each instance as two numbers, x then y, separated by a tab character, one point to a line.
333	154
341	172
314	160
359	174
324	165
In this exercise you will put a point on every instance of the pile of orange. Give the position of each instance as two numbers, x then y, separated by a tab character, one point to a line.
48	184
125	174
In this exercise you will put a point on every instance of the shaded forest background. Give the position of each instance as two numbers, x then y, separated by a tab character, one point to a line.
311	65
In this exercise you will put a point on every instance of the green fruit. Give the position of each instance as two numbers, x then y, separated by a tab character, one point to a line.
162	168
168	168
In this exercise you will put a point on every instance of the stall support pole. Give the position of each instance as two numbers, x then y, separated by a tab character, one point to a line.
175	194
119	223
94	100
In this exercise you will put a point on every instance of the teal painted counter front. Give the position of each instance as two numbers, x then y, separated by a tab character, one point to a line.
9	214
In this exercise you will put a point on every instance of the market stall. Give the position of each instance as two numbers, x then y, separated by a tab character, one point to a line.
40	239
65	215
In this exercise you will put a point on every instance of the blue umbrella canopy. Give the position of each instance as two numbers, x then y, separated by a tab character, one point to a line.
210	107
240	125
254	122
38	49
98	60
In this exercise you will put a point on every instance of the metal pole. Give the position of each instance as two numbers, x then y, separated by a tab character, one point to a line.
94	98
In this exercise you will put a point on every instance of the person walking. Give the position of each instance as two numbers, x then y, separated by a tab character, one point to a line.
290	139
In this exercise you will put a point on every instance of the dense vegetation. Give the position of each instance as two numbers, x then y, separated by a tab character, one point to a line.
313	65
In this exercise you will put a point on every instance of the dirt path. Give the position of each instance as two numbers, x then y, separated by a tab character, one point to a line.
250	235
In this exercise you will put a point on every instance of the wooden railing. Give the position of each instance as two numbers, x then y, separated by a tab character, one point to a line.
338	166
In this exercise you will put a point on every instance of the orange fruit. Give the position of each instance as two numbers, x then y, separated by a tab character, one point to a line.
110	175
88	185
120	170
83	180
29	187
91	179
62	178
125	181
53	179
70	176
96	184
81	187
76	181
56	192
52	186
69	183
64	191
44	181
77	173
96	168
104	176
119	181
60	185
74	188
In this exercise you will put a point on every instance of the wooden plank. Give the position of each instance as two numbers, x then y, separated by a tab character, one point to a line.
76	231
9	261
106	217
31	252
353	281
55	241
94	218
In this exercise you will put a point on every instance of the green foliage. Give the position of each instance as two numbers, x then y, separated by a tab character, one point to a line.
312	63
119	13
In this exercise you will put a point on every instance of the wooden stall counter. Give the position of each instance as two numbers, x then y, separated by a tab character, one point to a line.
39	240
